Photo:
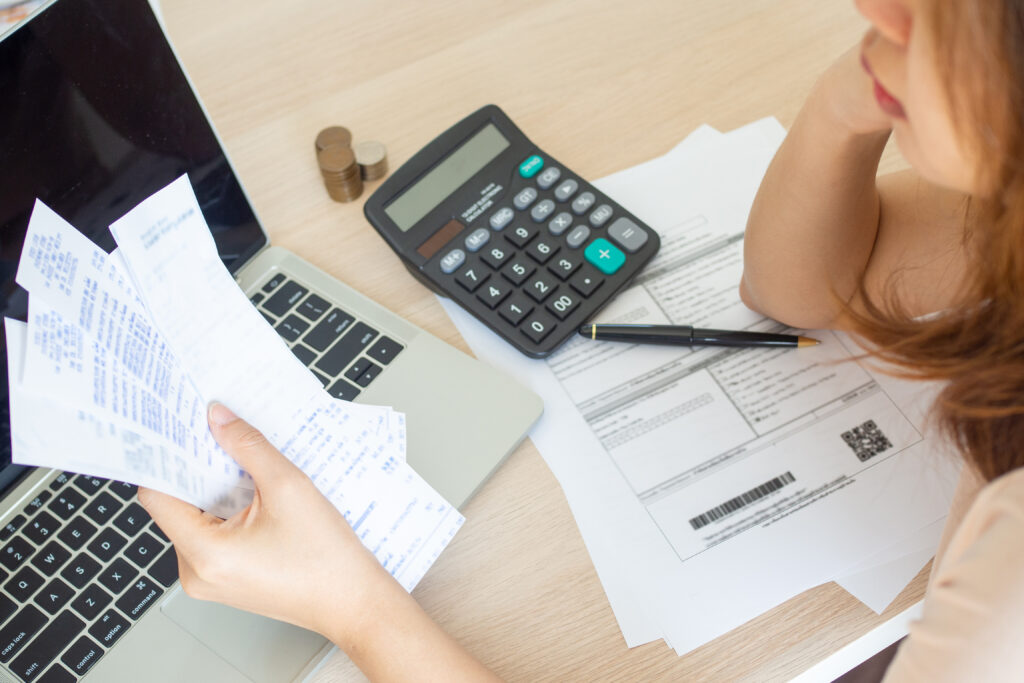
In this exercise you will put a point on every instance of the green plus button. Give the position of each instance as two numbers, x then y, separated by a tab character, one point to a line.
604	255
529	168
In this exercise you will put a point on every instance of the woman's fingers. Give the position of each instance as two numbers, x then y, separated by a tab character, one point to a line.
250	448
179	520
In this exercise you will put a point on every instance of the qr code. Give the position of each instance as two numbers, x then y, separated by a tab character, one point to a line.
867	440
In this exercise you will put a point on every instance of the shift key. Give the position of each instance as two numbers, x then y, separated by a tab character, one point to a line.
348	347
47	645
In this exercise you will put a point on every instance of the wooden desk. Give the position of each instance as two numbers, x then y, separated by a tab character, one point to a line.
603	85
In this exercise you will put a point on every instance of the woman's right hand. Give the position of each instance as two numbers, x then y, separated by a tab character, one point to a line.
848	89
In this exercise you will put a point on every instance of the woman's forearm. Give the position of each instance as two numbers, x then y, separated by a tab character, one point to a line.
813	223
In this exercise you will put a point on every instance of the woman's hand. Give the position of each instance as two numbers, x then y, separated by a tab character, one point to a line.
848	92
290	555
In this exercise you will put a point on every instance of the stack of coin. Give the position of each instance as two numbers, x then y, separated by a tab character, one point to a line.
335	135
341	173
372	159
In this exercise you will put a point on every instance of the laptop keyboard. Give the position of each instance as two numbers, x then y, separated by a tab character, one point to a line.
78	567
345	354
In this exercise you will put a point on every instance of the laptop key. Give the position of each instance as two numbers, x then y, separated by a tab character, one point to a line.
123	490
292	327
144	550
274	282
11	527
89	485
37	503
348	347
16	634
15	552
91	601
139	597
165	569
82	655
158	532
68	502
23	584
358	368
107	544
40	528
81	570
269	318
76	533
286	296
59	481
343	390
118	576
257	298
58	674
109	628
54	596
132	520
329	329
51	558
34	659
7	607
313	307
103	508
384	350
368	376
305	354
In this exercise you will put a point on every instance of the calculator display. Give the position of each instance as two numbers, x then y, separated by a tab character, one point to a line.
446	177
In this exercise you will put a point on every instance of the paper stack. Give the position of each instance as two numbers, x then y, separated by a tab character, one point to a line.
122	353
712	484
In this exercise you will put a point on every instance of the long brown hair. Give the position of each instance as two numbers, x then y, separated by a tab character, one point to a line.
978	344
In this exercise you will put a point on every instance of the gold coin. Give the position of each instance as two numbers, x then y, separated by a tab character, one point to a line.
336	160
333	135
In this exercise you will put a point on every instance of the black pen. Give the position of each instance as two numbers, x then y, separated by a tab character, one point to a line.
684	335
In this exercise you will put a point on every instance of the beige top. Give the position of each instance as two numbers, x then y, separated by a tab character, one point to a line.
972	628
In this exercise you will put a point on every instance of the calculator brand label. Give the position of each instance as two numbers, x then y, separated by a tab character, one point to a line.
485	202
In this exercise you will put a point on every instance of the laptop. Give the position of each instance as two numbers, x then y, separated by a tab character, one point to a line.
98	115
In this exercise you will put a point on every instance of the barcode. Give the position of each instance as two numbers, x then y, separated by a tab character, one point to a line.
867	440
742	500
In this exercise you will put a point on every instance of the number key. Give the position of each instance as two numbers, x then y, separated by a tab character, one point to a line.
515	309
540	287
542	250
495	256
471	278
563	304
522	234
518	270
538	326
564	266
493	293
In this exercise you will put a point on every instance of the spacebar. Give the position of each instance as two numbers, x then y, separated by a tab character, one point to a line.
348	347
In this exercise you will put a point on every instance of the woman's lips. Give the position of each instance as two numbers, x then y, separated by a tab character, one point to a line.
886	102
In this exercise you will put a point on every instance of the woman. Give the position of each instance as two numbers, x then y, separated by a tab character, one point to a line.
827	244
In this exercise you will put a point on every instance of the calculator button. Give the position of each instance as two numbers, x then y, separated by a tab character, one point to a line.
538	326
329	329
477	239
564	266
496	256
525	198
605	255
560	223
577	237
313	307
384	350
518	270
451	261
549	177
501	218
586	281
566	189
530	166
582	204
521	235
368	375
563	304
494	292
541	250
600	215
515	309
292	327
628	234
343	390
471	278
540	212
540	287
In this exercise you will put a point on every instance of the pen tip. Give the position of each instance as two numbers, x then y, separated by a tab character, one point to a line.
806	341
585	330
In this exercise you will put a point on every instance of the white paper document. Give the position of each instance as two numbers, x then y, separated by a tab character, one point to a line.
712	484
125	351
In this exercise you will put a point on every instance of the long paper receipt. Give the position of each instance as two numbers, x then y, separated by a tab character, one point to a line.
122	353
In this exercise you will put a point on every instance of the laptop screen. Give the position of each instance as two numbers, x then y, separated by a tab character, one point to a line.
97	116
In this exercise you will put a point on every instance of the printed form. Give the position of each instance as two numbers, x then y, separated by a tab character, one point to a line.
125	351
721	482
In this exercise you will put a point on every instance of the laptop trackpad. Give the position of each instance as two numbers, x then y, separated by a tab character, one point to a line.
263	650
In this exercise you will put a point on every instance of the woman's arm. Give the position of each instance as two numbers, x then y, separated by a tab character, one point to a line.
821	221
291	556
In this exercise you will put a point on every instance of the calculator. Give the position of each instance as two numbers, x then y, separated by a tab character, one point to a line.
485	217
